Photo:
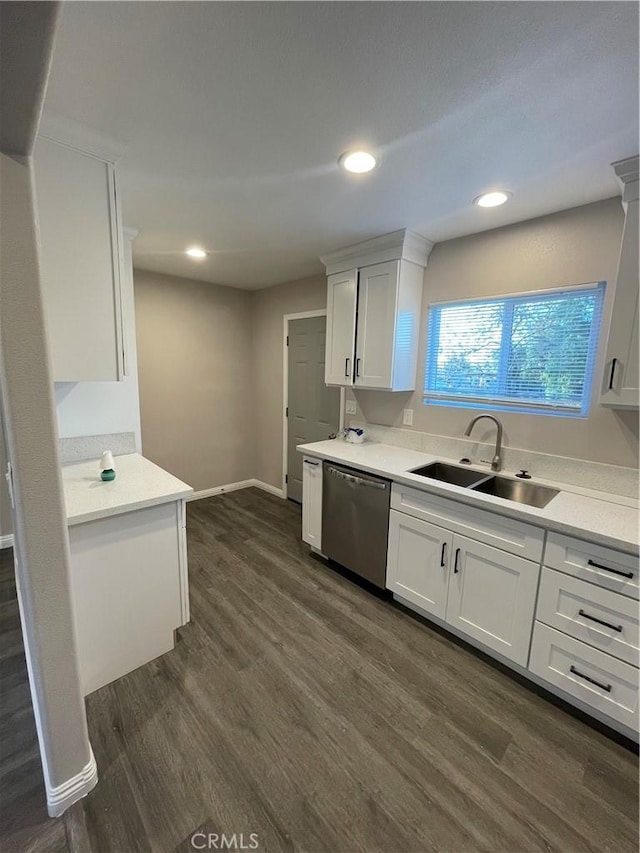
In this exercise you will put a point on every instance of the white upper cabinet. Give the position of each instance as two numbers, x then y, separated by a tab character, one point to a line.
80	262
342	293
621	384
389	300
379	283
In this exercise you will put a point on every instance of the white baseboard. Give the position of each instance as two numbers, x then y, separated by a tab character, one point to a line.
62	796
6	541
266	487
218	490
233	487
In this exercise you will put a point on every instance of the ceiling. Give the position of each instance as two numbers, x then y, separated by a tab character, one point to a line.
234	115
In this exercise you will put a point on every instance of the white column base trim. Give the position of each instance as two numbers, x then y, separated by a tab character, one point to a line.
6	541
66	794
233	487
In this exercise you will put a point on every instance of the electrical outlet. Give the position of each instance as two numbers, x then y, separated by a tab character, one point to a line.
407	417
351	408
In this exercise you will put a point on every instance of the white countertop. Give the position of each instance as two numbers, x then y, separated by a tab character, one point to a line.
138	484
602	518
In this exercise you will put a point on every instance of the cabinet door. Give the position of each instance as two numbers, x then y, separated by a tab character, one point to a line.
418	562
126	579
492	597
342	294
620	387
80	262
312	502
377	299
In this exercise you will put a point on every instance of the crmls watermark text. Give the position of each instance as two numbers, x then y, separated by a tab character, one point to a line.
224	841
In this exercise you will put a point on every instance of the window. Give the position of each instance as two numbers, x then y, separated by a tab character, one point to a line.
531	353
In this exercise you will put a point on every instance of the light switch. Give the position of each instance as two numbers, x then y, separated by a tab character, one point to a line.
351	408
407	417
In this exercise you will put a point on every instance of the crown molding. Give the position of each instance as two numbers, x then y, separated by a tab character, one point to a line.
399	245
627	173
80	138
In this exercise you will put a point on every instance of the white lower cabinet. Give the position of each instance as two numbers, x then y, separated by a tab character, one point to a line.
492	597
481	591
599	680
129	582
601	618
417	562
312	502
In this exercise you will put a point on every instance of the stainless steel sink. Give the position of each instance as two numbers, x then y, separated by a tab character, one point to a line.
455	475
517	490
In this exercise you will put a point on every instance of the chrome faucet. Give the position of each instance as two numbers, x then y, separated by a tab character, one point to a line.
496	462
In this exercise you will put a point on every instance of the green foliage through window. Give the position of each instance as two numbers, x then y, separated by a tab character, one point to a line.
523	353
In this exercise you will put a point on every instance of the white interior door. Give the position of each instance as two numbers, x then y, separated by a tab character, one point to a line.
377	296
313	408
342	294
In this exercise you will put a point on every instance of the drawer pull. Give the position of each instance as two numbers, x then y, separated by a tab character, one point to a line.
588	678
444	549
609	569
600	621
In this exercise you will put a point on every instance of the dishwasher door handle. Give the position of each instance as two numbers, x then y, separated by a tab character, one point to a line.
358	481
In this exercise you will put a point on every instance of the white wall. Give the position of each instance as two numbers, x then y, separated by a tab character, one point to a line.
96	408
41	540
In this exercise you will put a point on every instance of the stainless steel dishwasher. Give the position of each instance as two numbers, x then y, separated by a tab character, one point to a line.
355	521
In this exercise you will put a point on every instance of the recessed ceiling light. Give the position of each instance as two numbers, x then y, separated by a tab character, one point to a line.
492	199
196	252
357	161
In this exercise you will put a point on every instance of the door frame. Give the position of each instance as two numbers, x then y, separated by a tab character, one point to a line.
301	315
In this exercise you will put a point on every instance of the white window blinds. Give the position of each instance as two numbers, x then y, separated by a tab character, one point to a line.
524	353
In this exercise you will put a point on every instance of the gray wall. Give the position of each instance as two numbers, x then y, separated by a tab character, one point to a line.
572	247
197	390
268	308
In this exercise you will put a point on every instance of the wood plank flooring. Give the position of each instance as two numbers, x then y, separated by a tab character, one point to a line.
25	826
303	708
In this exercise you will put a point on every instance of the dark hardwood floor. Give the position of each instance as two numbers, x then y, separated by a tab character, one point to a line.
300	707
25	826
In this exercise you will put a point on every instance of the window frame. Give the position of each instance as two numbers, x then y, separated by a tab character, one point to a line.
438	398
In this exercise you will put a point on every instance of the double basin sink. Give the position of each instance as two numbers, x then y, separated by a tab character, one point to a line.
519	491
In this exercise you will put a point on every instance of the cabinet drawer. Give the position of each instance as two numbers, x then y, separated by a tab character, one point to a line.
596	616
597	679
611	569
509	535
